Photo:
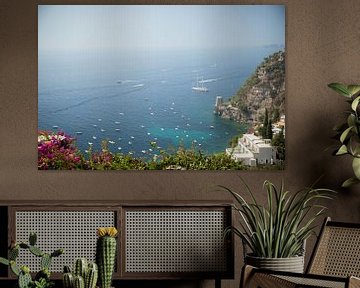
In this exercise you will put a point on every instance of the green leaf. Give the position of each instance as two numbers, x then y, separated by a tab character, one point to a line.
340	88
342	150
4	261
351	120
353	89
356	167
355	103
349	182
14	268
345	134
354	145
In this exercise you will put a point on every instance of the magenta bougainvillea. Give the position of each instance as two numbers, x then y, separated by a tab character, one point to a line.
56	150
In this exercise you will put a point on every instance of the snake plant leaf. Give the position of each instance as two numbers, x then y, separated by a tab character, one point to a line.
278	228
342	150
355	103
356	167
349	182
340	88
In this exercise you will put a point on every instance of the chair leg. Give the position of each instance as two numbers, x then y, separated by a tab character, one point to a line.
246	274
250	278
354	282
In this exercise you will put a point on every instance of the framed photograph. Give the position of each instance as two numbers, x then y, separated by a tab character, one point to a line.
161	87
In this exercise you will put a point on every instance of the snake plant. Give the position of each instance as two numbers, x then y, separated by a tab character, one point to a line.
279	228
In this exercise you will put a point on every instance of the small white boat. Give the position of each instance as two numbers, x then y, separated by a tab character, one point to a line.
199	86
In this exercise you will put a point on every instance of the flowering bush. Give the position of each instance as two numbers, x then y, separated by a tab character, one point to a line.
57	151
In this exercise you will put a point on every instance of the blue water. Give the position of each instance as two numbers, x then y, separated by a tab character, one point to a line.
133	97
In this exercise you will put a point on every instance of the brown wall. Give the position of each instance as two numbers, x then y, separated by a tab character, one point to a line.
322	45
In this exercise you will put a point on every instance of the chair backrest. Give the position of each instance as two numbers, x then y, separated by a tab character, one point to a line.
337	251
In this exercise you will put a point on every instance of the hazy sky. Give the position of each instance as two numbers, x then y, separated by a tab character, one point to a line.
96	27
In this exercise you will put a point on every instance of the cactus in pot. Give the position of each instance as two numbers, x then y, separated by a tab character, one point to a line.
42	278
106	254
85	275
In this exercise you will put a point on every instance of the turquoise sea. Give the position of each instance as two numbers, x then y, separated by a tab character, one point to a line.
131	98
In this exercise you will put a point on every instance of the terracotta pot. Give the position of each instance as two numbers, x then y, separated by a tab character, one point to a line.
291	264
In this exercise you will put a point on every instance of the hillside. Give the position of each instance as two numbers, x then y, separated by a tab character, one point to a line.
264	89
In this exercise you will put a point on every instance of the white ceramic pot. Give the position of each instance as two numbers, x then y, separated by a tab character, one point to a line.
291	264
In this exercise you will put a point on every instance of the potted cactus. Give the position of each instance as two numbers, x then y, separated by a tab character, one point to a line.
42	278
106	254
84	275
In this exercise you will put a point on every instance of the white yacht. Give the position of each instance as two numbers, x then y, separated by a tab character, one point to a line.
199	86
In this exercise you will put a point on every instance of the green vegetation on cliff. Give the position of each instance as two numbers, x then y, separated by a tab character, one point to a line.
264	89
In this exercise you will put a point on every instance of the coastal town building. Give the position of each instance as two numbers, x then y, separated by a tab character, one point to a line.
278	126
253	150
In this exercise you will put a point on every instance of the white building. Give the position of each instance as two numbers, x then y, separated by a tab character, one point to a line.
253	150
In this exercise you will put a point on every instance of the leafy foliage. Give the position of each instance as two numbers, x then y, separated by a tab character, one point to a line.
349	131
279	229
58	151
278	141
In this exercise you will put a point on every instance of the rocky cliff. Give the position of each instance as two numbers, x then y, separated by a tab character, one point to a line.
265	89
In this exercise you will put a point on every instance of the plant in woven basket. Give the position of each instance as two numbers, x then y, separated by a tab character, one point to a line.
106	254
349	132
42	278
280	228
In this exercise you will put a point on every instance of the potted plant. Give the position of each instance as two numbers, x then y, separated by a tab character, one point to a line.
84	274
42	278
349	131
276	233
106	254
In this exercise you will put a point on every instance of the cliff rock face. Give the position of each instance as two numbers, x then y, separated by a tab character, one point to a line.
265	89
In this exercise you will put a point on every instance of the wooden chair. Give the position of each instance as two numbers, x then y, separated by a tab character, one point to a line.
334	263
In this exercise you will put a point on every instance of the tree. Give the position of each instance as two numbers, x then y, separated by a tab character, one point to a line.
269	132
276	115
279	142
265	124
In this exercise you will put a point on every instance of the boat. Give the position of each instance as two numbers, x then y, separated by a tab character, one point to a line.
200	87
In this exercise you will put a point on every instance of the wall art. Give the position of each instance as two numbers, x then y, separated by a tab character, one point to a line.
161	87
